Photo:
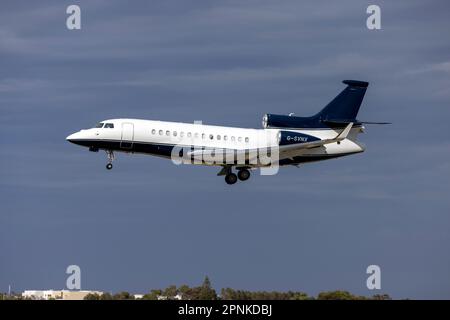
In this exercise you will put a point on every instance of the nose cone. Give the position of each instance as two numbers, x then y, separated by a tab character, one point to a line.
74	138
82	138
71	137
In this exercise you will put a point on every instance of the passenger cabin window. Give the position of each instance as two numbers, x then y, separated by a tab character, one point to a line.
99	125
189	134
203	136
153	131
160	132
232	138
247	140
240	139
225	138
211	136
218	137
167	133
174	133
109	125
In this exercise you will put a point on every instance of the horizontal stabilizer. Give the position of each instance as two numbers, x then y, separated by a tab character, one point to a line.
356	83
371	122
344	122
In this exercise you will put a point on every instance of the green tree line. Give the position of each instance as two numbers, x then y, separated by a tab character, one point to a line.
207	292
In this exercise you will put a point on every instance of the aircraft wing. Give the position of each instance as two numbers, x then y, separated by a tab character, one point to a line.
313	144
249	154
284	151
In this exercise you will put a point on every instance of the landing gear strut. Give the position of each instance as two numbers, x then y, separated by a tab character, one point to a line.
110	155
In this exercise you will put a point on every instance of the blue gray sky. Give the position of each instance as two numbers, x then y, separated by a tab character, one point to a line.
148	223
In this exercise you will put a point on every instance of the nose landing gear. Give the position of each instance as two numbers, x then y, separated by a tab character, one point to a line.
111	157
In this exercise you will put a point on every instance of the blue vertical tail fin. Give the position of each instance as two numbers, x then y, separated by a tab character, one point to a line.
344	108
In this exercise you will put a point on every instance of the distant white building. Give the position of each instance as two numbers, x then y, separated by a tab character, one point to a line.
177	297
42	294
57	294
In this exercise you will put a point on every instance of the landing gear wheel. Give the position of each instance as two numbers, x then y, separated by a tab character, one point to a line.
111	157
231	178
243	174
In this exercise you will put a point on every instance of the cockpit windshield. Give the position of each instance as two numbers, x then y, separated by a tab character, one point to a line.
99	125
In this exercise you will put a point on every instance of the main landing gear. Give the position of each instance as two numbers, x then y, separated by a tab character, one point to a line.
110	155
231	178
243	174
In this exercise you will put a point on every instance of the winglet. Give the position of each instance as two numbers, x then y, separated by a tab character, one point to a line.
341	136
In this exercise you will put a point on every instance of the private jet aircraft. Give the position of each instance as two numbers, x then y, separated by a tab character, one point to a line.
291	140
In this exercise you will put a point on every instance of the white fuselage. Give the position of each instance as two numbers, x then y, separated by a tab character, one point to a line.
154	137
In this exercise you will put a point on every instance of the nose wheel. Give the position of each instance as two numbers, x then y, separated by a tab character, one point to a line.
111	157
